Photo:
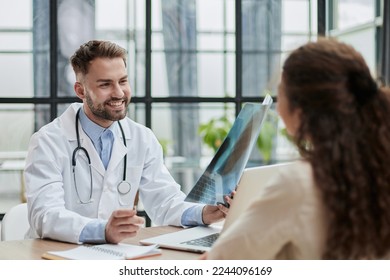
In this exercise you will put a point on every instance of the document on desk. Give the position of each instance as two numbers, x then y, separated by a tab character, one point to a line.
119	251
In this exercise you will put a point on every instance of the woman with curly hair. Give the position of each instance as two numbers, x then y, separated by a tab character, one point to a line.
335	202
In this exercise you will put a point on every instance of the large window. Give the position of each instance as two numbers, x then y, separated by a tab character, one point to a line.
189	62
358	22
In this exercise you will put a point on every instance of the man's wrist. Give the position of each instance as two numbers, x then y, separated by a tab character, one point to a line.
94	232
193	216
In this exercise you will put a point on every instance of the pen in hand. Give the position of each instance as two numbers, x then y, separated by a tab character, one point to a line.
136	199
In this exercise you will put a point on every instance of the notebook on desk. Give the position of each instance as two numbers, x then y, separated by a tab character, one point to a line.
225	169
120	251
200	239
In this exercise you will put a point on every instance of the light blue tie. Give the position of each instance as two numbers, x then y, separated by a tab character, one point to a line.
107	140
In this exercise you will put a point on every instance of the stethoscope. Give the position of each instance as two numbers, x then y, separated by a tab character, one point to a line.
123	187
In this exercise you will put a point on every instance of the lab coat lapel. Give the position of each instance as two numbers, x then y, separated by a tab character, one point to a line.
68	123
96	162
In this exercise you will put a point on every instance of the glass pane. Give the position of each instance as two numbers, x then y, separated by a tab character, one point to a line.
181	79
17	122
190	45
364	42
231	42
157	41
157	24
261	25
136	112
110	17
131	66
16	14
178	24
314	16
260	73
290	43
41	48
14	82
211	65
230	23
261	44
350	13
137	76
137	11
136	18
61	108
210	15
159	75
295	18
216	74
42	115
174	74
16	42
211	42
230	75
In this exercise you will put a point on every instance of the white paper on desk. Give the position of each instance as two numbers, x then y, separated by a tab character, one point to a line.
107	252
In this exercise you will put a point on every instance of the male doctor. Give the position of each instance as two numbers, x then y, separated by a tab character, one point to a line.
84	169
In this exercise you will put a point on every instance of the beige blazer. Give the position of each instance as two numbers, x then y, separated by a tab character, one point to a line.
286	221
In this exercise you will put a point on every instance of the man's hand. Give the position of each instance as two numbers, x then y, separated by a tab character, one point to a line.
216	213
123	223
213	213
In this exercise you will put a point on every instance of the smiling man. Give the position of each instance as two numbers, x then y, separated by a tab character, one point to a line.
85	168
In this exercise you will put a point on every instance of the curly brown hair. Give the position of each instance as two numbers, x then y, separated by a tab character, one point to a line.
344	133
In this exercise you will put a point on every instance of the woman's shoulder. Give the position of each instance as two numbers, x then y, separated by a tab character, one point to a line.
292	181
293	173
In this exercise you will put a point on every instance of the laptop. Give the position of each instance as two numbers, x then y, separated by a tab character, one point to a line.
225	169
200	239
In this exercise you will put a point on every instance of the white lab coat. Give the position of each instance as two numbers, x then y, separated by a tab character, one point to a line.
54	210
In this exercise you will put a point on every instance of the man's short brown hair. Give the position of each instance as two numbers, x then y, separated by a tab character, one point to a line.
95	49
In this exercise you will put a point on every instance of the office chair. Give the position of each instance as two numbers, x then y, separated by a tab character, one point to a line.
15	223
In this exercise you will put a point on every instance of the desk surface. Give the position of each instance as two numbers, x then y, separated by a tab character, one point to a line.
32	249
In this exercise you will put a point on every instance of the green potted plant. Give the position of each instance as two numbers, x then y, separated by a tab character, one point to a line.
267	135
214	131
164	145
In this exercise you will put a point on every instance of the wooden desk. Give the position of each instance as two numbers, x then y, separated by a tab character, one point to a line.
32	249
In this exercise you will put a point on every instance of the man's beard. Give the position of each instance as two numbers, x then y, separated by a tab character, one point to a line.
100	111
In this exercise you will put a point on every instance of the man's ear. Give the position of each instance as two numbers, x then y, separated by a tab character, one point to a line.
79	90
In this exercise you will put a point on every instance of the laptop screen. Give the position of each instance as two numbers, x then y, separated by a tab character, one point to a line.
225	169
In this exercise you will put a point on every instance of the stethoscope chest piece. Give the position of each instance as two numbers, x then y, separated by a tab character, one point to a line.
124	187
